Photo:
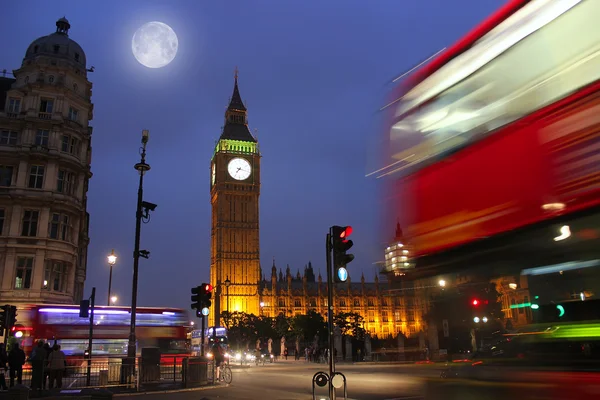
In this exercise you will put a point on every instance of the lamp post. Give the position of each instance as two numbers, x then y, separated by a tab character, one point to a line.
142	167
112	259
227	283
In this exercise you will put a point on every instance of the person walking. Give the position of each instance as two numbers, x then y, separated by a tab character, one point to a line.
48	350
57	362
3	367
37	358
16	360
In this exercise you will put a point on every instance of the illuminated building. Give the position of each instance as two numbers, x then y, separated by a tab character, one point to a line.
45	156
234	195
383	315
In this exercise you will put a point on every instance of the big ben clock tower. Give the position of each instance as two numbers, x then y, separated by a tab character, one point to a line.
234	194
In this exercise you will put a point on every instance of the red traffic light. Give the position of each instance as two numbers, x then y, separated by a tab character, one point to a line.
208	288
475	302
346	232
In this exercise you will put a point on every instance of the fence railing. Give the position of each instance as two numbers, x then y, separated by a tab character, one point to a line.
116	372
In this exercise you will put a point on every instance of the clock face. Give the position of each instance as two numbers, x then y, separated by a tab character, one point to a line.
239	169
214	174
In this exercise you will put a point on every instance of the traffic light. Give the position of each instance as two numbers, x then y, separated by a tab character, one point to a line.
341	244
12	317
4	311
475	302
206	294
196	298
84	309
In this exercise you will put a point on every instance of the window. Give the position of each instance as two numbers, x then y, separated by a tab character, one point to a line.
36	176
356	302
36	48
41	137
46	106
297	303
281	302
384	317
313	302
2	217
14	105
70	145
73	114
397	316
55	276
59	226
10	138
342	303
65	182
384	302
51	79
76	56
56	48
75	87
30	223
24	272
370	302
6	174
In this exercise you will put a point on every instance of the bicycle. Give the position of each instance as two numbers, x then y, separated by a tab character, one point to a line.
225	374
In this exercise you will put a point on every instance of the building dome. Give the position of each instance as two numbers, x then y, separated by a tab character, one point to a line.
57	45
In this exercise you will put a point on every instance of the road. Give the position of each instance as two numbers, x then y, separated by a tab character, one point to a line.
292	380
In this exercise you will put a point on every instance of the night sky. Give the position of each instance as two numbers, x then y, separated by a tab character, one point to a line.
312	74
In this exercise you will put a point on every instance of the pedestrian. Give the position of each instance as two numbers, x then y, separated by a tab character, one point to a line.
57	362
218	358
48	350
37	358
16	360
3	366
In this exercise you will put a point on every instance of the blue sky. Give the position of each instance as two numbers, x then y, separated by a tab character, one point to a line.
313	75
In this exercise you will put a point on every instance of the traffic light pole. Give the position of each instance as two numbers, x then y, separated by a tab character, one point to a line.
330	316
89	361
202	336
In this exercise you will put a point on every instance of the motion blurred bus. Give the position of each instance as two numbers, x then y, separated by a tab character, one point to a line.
492	165
164	328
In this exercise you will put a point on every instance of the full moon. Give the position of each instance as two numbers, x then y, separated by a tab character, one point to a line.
154	44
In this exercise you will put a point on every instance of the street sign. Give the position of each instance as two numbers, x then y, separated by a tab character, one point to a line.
445	327
205	311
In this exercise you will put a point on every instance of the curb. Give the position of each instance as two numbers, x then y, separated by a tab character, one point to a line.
197	389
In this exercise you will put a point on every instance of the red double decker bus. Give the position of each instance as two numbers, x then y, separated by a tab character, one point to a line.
499	132
493	164
164	328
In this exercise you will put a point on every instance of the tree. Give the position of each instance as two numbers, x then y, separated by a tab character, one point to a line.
308	326
281	325
350	324
242	329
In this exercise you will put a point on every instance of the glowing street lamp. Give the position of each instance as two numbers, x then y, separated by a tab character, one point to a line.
112	259
114	299
442	283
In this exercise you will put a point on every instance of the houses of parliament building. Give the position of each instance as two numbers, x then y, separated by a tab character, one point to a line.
235	249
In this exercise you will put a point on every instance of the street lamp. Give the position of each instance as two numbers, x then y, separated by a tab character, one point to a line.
142	213
113	300
112	259
442	283
227	283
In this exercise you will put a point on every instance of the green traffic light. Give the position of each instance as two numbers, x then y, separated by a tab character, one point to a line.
561	310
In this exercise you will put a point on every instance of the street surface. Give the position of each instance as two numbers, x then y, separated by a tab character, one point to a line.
292	380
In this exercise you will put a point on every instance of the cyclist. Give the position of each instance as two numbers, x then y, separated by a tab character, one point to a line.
219	357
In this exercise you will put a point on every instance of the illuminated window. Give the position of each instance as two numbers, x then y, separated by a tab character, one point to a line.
24	272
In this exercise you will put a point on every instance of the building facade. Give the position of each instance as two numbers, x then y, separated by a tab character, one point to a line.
384	313
45	156
234	198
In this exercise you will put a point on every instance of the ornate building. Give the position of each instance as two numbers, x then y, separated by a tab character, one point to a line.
45	157
234	194
383	313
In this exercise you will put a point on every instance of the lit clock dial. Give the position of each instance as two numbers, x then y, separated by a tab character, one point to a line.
239	169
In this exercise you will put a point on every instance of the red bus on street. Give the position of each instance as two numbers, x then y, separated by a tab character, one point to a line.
165	328
500	131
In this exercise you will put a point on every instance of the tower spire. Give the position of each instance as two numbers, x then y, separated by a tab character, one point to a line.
236	103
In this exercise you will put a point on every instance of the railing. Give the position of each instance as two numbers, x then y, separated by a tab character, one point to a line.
117	372
44	115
